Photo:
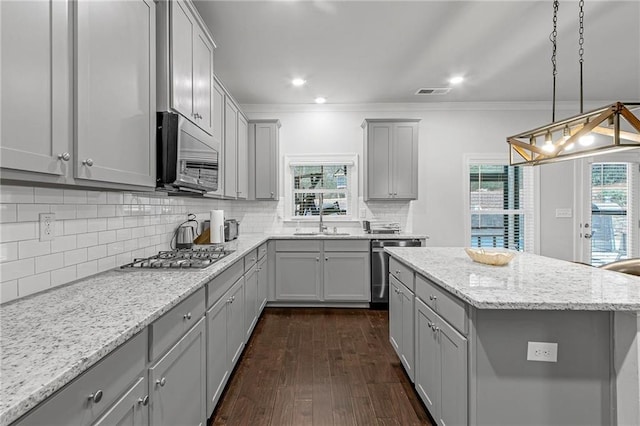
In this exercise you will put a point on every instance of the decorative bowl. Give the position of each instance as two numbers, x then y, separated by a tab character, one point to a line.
494	258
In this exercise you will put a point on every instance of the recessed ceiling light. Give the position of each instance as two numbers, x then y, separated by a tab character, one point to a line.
298	82
320	100
456	80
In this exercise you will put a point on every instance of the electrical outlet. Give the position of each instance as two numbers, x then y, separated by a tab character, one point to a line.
47	226
542	351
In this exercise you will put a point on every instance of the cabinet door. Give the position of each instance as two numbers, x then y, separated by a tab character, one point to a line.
115	122
250	302
266	161
230	149
453	364
178	382
263	284
298	276
378	162
427	362
202	81
218	112
182	31
408	339
404	170
235	323
395	314
35	82
131	410
218	365
346	276
243	158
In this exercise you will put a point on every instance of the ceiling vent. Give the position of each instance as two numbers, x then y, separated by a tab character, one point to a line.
434	91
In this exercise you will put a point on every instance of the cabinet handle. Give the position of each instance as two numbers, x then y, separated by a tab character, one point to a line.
429	324
96	396
162	381
187	316
65	156
88	162
144	401
326	259
398	271
432	297
317	259
272	194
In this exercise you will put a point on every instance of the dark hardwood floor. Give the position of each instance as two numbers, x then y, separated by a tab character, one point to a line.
320	366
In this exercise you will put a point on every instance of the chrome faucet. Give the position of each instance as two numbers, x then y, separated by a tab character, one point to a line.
322	228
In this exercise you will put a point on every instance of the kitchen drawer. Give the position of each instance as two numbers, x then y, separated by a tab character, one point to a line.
250	259
449	307
223	282
402	272
262	251
346	245
110	378
296	246
170	327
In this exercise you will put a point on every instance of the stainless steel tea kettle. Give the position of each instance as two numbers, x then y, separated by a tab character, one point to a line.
185	233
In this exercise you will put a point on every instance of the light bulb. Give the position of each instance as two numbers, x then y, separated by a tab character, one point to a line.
587	140
298	82
320	100
566	133
456	80
548	143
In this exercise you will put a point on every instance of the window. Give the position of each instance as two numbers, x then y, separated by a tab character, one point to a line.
500	205
313	183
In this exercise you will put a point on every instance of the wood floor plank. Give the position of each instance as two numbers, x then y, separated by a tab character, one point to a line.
320	367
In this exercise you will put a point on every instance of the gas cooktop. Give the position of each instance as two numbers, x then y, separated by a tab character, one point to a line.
193	258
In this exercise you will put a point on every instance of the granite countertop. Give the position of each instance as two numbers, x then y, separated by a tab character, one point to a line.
50	338
528	282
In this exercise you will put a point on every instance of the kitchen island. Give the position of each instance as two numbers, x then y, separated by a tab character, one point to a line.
476	356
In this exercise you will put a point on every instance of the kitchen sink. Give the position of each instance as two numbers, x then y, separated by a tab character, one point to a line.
306	233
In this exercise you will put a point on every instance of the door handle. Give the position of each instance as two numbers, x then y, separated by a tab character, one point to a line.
588	236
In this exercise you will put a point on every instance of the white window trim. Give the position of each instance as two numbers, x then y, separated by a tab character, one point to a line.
498	159
349	159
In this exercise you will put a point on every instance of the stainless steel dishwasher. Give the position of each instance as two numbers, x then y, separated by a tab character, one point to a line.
380	269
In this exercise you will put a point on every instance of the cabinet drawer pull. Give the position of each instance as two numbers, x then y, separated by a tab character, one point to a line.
65	156
187	316
88	162
317	259
162	381
272	194
96	397
398	271
326	259
144	401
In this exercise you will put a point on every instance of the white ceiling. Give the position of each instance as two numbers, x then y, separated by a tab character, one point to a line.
383	51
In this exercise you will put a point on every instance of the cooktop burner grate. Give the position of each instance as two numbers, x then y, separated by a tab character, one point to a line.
194	258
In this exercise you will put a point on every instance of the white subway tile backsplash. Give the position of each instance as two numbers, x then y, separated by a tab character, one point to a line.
87	240
49	262
123	234
17	231
73	257
75	226
8	252
106	237
137	232
124	258
8	212
64	243
48	196
96	197
115	248
86	269
115	223
64	211
96	252
106	263
115	198
16	194
34	284
63	276
33	248
130	222
130	245
17	269
8	291
87	211
106	210
96	224
31	212
74	196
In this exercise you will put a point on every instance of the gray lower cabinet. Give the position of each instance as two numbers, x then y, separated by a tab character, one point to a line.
235	318
401	323
177	382
298	276
218	362
250	301
263	283
98	390
347	276
131	409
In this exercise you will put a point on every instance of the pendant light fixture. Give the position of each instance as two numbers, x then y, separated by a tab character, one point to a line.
612	128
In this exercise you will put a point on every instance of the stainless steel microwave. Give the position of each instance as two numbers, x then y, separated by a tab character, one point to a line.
188	158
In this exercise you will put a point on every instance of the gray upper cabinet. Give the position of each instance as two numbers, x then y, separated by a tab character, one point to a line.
115	92
242	177
263	159
391	159
230	149
186	63
35	126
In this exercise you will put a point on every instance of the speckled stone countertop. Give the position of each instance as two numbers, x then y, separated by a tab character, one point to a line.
48	339
528	282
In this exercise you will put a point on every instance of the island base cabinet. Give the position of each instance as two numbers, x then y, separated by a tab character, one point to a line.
131	410
440	367
178	382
